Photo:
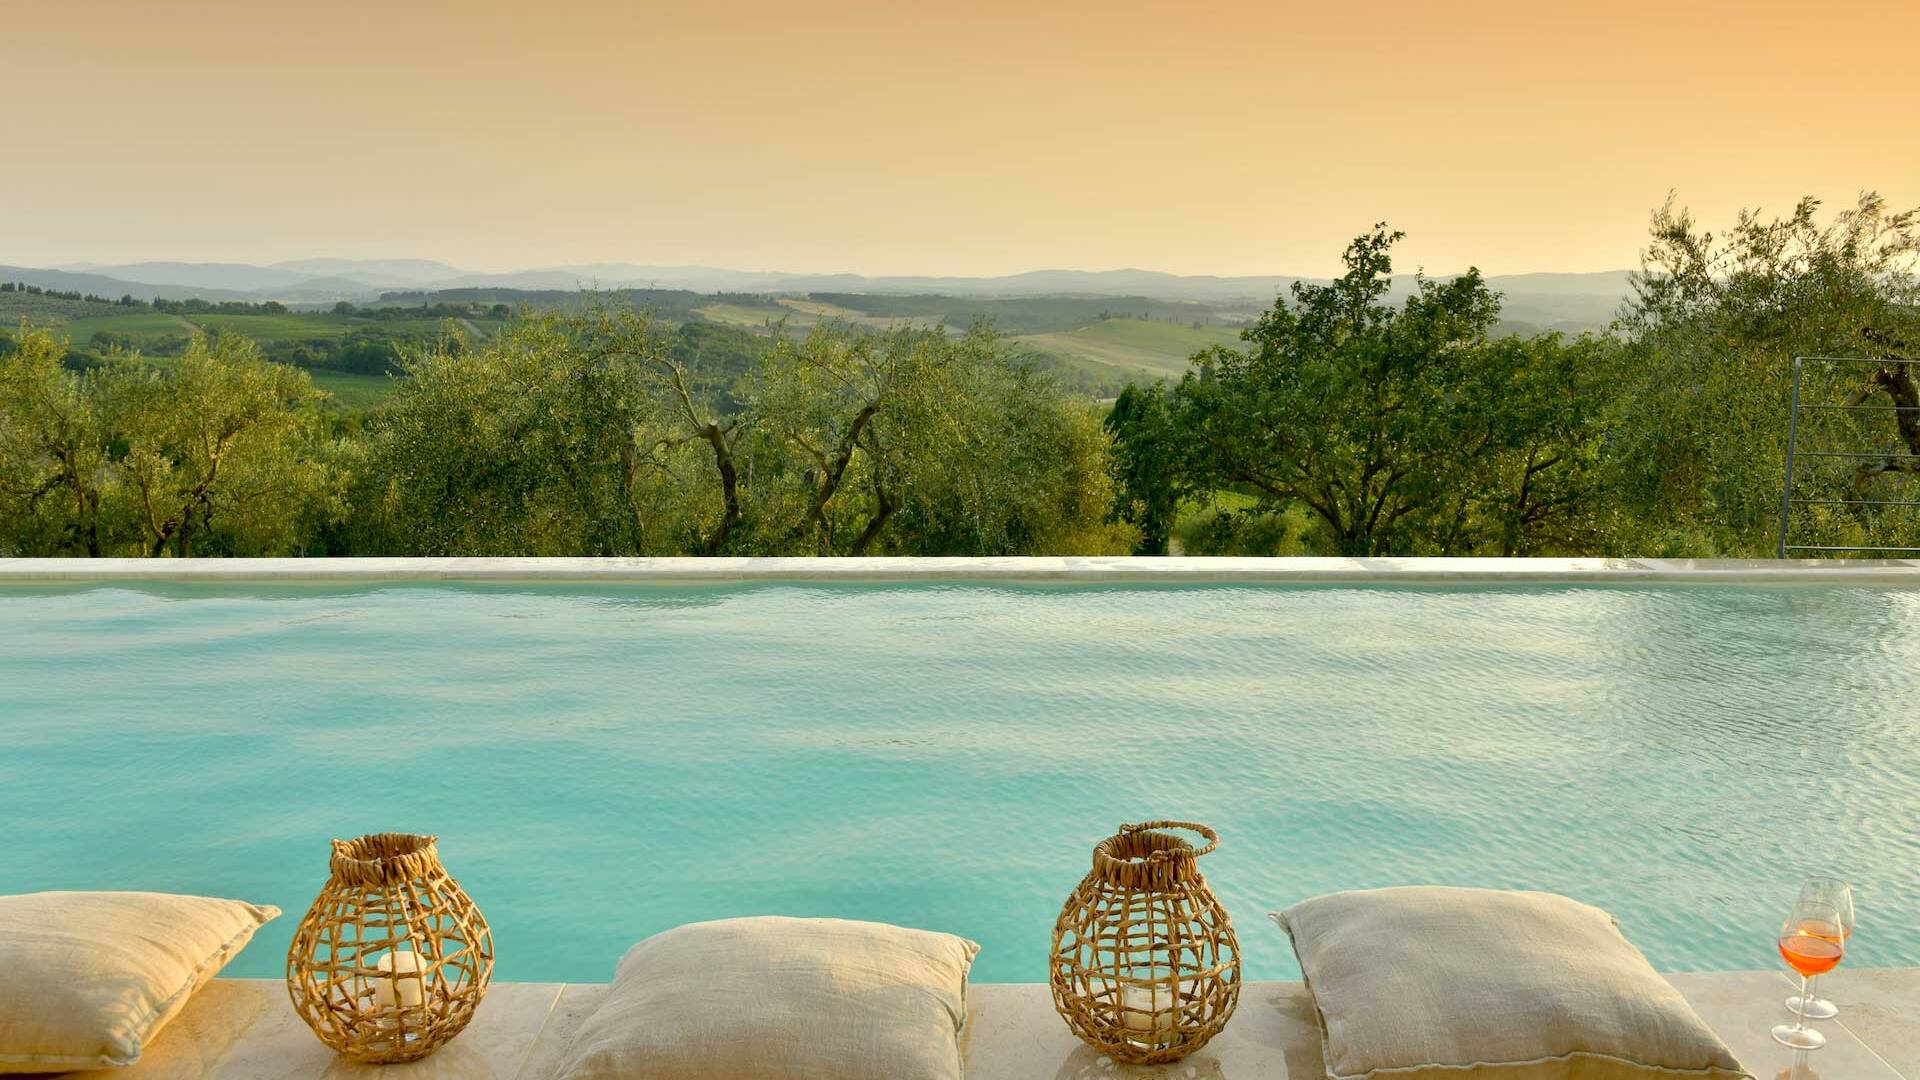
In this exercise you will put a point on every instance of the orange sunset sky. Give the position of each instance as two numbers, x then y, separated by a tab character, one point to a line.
987	137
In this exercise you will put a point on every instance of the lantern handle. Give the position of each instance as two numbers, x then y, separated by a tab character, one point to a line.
1213	838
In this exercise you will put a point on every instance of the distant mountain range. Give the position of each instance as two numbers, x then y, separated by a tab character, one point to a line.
1567	301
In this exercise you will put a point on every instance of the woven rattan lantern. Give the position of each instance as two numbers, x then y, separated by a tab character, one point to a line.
392	958
1145	965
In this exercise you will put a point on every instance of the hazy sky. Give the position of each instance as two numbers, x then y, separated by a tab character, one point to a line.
907	136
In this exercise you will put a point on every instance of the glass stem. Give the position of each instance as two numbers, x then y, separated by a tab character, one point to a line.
1800	1016
1810	992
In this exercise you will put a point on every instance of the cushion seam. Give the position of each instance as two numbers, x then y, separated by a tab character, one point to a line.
972	949
1326	1048
1386	1070
55	1059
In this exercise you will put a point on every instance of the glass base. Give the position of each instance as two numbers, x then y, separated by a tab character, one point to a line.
1817	1008
1798	1037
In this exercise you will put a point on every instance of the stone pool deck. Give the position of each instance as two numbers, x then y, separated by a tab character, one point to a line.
243	1029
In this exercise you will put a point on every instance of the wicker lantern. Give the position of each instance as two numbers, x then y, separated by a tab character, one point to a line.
1145	965
392	958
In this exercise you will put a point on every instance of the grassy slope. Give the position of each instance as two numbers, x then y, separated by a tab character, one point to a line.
816	310
1101	355
758	319
801	316
293	326
136	325
315	325
41	310
1107	353
266	329
1131	348
352	391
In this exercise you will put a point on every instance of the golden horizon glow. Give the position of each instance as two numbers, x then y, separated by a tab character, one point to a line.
1237	137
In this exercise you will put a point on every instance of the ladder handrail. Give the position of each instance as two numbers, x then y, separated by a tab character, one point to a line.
1793	433
1787	498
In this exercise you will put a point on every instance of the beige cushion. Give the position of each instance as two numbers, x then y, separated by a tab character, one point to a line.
1432	982
796	999
86	978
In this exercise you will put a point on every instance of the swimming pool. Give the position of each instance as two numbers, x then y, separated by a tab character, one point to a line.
602	762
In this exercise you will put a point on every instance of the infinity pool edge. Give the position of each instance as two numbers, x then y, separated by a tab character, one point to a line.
1074	569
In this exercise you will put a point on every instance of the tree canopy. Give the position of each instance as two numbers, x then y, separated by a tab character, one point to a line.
1373	414
1715	324
1403	428
218	453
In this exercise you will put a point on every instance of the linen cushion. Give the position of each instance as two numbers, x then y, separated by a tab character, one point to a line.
797	999
87	978
1428	982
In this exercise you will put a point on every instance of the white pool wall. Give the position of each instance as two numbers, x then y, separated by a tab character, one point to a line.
1068	569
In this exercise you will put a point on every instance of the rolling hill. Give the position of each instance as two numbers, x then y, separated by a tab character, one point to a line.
1562	301
1129	349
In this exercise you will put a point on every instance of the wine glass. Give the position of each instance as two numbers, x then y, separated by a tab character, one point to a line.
1811	943
1824	890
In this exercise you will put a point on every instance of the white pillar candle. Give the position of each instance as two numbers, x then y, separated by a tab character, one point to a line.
1148	1005
402	979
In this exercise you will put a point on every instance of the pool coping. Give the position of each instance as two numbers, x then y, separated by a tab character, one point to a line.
243	1029
1069	569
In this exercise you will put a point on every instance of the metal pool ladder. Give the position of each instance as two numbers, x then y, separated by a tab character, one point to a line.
1907	463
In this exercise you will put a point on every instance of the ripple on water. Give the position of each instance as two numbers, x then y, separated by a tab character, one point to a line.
947	755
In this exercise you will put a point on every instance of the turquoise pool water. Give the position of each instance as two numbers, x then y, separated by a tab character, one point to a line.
602	763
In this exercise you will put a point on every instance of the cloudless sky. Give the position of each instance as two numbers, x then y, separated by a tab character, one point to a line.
907	136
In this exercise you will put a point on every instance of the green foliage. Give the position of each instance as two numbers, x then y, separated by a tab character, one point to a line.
362	351
1696	468
1405	430
1126	349
1255	529
1351	418
589	434
527	445
220	454
53	448
1095	344
1147	459
217	453
717	358
911	442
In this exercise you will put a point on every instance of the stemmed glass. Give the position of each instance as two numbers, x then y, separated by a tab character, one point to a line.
1811	943
1824	890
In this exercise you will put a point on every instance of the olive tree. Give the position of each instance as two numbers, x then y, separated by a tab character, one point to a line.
1403	429
549	440
53	449
221	452
1717	321
914	442
215	453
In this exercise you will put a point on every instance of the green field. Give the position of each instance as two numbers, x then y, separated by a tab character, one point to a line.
801	316
1095	345
759	319
264	329
293	326
352	391
815	310
137	325
1105	354
1130	349
316	325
